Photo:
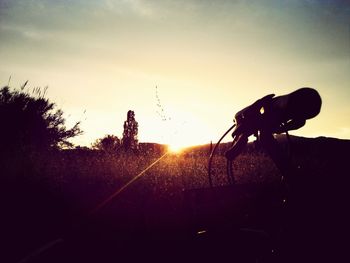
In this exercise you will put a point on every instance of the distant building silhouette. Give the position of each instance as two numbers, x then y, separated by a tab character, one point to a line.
130	140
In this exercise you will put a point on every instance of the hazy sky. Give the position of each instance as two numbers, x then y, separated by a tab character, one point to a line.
208	58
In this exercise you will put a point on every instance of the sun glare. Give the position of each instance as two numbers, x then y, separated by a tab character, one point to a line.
175	148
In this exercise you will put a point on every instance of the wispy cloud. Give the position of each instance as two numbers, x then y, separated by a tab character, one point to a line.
135	7
25	32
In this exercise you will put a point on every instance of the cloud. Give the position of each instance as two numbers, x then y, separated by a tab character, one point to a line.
135	7
24	32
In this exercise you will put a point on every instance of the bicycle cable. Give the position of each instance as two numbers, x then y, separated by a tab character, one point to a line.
213	153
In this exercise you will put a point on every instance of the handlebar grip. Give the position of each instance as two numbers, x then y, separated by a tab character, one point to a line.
302	104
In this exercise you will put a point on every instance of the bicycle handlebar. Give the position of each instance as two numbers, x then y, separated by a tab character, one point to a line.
274	115
271	115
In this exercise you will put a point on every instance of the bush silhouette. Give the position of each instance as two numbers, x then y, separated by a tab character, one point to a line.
108	144
30	122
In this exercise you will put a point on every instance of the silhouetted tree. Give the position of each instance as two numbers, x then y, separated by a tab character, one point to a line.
109	144
130	141
30	122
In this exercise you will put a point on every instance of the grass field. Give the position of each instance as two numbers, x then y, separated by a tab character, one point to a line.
49	196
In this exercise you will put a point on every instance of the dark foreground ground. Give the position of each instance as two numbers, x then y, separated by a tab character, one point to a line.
302	221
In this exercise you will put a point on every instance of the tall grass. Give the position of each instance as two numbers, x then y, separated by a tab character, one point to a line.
87	177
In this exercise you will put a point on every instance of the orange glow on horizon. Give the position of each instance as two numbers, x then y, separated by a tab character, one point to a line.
175	148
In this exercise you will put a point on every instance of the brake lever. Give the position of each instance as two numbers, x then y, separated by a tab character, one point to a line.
239	143
248	122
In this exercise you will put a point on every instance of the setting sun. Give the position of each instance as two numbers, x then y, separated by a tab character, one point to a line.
177	143
175	148
178	131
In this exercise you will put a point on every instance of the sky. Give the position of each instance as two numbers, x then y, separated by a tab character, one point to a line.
201	61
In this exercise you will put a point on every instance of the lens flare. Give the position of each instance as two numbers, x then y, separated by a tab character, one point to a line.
175	148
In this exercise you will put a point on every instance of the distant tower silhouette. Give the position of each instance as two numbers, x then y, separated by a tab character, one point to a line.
130	141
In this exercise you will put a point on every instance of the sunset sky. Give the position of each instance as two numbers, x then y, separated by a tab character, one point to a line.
208	59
